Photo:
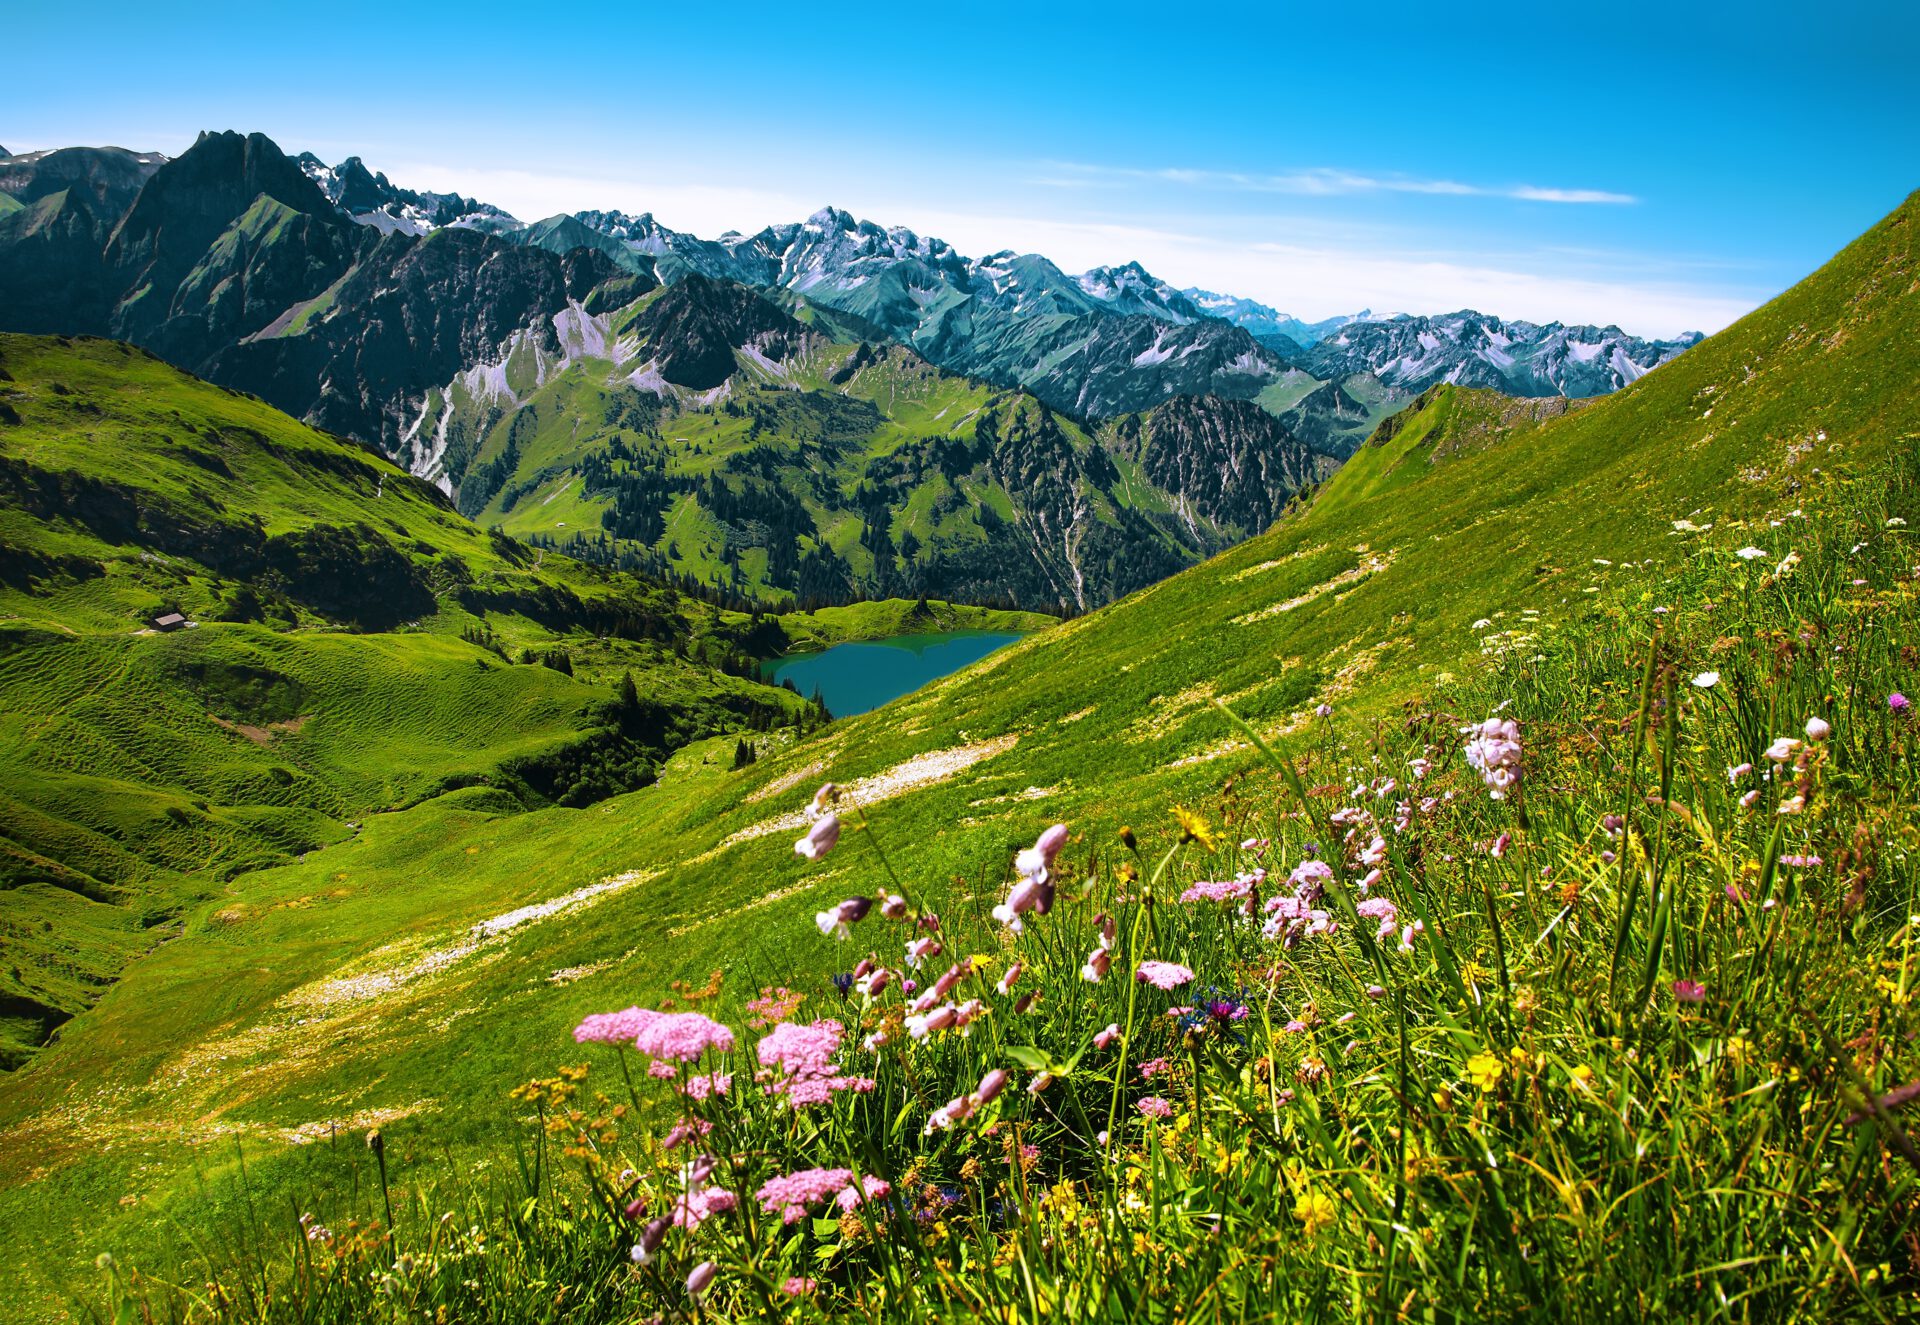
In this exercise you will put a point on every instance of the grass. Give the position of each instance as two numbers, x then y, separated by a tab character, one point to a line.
1562	537
1618	1072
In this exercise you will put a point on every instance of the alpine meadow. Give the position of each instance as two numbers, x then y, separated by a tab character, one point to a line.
1415	817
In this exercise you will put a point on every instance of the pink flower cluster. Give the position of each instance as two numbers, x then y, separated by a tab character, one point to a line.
1494	753
1291	917
622	1027
1163	975
793	1194
1239	888
804	1055
683	1036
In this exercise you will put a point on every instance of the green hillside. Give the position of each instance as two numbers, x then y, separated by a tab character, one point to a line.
404	978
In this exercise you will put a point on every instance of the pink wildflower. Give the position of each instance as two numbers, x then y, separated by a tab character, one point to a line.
712	1083
793	1194
700	1277
836	921
662	1071
1155	1107
613	1027
1007	981
1379	908
1689	991
1098	963
1153	1068
1225	890
1036	862
821	838
683	1036
1163	975
696	1207
795	1286
1494	752
1107	1036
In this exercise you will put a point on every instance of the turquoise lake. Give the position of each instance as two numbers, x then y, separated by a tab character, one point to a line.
853	678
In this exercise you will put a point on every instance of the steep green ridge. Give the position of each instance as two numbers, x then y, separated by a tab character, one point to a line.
147	768
701	431
320	1007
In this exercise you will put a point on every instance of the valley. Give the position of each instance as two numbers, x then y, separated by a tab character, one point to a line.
1098	800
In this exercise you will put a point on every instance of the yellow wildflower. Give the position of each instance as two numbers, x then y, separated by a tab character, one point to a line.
1316	1210
1193	828
1485	1070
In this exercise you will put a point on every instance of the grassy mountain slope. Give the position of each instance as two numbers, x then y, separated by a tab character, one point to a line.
350	1008
149	768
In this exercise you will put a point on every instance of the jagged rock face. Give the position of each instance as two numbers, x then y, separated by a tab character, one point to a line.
694	328
50	271
1228	462
217	243
109	177
372	200
1473	349
412	314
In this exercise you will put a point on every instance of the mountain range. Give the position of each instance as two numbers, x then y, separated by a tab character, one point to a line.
824	410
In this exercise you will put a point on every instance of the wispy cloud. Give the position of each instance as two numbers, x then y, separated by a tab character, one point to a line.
1321	182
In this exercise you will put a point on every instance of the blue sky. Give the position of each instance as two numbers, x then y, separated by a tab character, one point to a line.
1662	166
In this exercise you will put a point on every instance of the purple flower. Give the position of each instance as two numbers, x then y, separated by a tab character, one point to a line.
1898	702
821	838
1689	991
701	1276
836	921
1494	753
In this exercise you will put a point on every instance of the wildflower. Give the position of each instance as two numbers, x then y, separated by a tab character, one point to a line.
1408	934
921	1025
1225	890
1420	767
1499	845
1032	893
1751	553
1782	749
836	922
792	1195
894	908
1707	680
1153	1068
1801	862
1482	624
1485	1070
1036	862
920	949
613	1027
1614	826
795	1286
1098	963
1689	991
1006	982
827	795
1375	854
1193	828
821	838
1738	771
1107	1036
1372	877
683	1036
1163	975
1155	1107
1747	801
1818	729
1898	703
650	1239
956	1110
1376	991
1324	711
1040	1083
1310	878
1582	1076
1494	752
1379	908
1792	805
699	1205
